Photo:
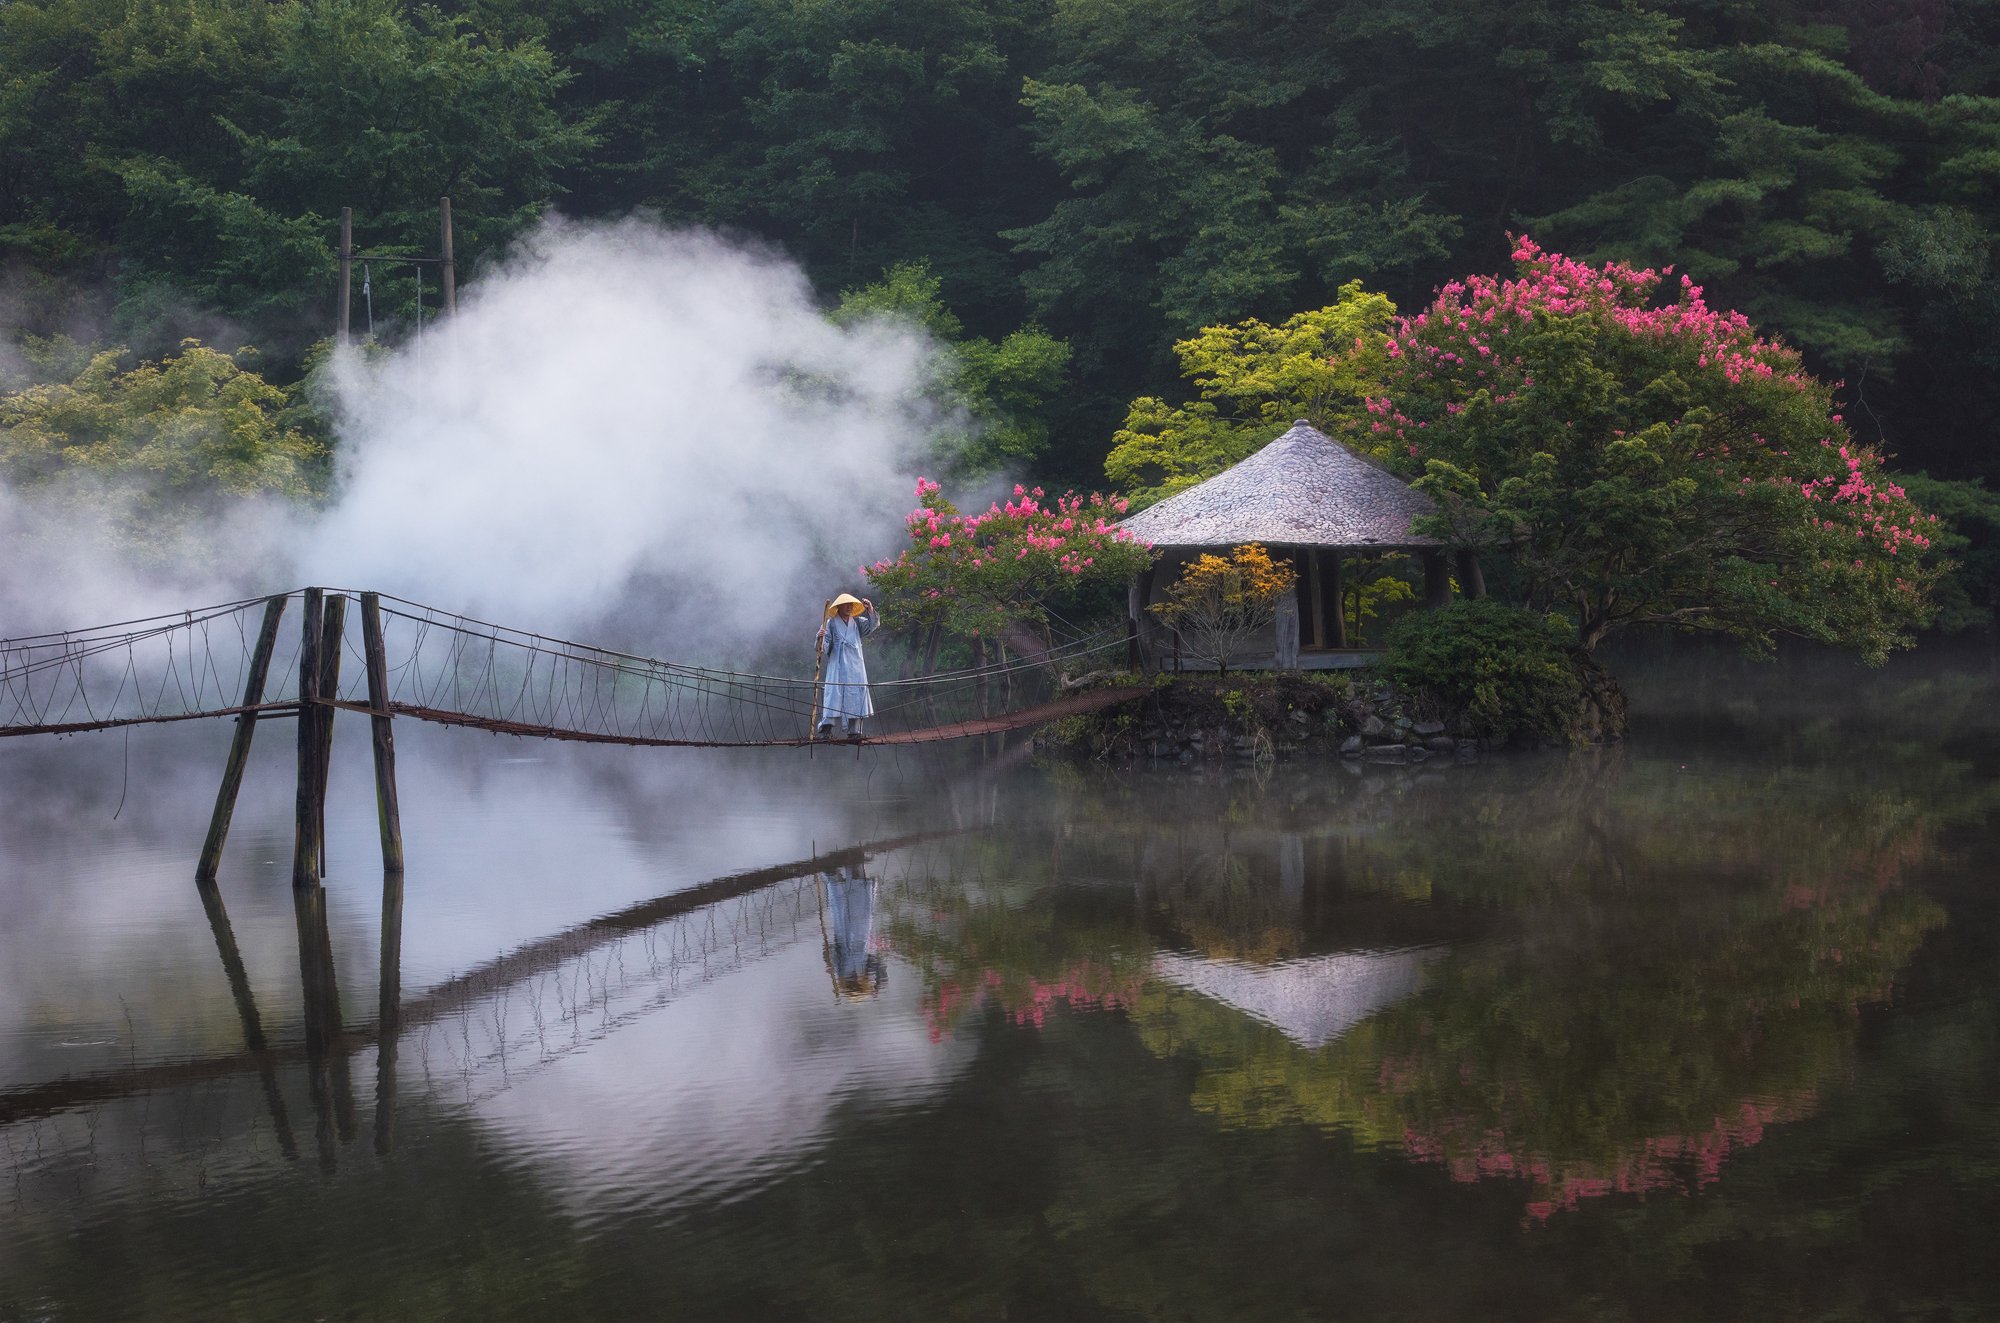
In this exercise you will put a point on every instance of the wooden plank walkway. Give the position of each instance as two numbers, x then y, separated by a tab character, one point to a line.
1090	700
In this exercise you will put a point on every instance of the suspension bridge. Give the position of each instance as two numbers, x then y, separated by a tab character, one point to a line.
419	662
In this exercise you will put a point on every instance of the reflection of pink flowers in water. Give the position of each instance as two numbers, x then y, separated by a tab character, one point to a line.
1027	1000
1681	1164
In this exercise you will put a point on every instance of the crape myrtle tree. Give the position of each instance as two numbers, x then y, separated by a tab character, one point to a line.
977	575
1649	462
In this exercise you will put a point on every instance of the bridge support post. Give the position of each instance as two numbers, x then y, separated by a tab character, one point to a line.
388	816
306	816
239	747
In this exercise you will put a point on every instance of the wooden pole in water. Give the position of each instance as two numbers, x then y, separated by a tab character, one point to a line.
381	725
305	816
239	747
335	623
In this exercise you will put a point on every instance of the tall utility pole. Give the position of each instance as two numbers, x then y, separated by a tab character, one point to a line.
450	281
446	262
346	267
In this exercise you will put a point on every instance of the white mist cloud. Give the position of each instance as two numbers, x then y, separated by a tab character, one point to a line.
654	429
651	438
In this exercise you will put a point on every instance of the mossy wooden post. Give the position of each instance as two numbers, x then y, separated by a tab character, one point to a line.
239	747
335	623
388	816
305	817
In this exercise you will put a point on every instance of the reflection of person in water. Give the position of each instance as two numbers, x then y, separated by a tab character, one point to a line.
847	920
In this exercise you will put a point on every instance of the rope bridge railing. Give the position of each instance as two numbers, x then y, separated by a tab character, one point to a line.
460	671
455	669
177	667
417	661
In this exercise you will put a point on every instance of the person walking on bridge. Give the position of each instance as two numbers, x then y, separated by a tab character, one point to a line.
844	672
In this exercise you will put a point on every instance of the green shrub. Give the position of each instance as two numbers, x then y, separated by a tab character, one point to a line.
1507	668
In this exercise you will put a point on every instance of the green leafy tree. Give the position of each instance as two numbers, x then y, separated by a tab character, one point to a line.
159	442
1254	380
196	151
995	394
1650	465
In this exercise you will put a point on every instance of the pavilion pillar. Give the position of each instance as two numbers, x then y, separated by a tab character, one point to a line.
1437	584
1137	654
1335	595
1471	582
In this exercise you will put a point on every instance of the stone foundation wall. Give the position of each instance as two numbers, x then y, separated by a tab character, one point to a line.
1354	715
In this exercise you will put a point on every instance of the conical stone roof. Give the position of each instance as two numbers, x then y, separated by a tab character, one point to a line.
1304	489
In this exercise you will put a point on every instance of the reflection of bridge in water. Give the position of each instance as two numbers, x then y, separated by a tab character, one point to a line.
430	665
480	1032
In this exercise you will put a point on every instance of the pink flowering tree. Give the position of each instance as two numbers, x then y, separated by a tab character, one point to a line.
976	575
1648	461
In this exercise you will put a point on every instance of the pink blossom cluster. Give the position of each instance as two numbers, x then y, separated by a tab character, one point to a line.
1026	999
1467	335
1034	539
1869	504
1662	1163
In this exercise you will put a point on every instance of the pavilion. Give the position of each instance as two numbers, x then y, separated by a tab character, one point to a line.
1308	499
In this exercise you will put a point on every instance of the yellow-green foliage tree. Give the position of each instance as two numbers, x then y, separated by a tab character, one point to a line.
1219	602
1254	380
159	441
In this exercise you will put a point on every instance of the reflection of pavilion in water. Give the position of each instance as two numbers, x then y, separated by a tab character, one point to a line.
1260	907
1312	1000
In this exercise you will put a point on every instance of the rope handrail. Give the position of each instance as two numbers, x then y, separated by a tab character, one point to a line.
460	670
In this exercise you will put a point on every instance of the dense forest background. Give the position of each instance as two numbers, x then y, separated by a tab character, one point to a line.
1114	173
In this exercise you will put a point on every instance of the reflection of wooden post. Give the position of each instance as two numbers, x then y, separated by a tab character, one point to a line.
1437	584
381	725
335	622
322	1022
305	817
1471	582
389	1006
246	1009
239	747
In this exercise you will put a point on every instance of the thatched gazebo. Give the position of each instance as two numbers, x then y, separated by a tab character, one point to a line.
1312	501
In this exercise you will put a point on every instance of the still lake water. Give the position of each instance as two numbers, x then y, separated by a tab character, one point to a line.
1704	1027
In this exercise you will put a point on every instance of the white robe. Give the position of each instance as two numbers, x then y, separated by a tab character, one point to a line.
844	672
